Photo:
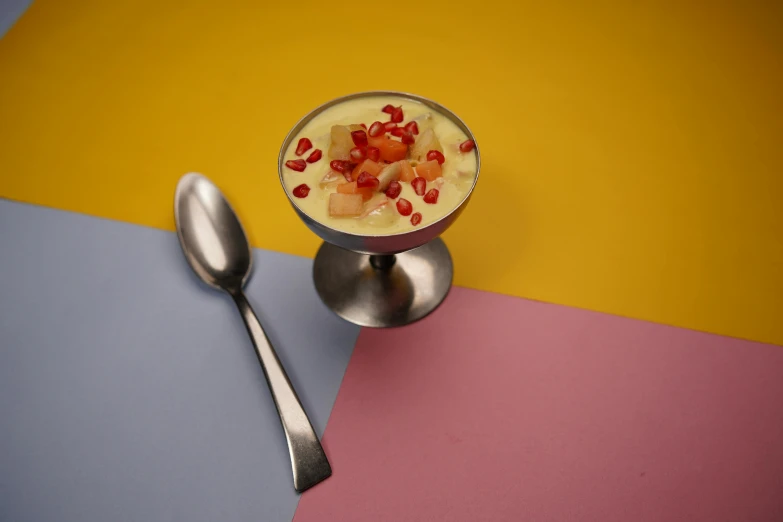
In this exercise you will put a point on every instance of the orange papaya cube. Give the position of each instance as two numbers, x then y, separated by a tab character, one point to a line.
407	173
369	166
391	150
429	170
353	188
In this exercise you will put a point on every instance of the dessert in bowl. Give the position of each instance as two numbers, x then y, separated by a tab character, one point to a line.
378	174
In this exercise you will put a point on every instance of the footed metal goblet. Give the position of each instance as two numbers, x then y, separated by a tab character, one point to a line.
382	280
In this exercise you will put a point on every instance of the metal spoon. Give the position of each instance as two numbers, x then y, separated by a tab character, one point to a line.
217	249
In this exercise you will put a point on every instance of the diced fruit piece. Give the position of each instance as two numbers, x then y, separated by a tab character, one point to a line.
332	177
388	109
368	166
389	173
424	119
376	129
374	153
393	190
378	212
426	142
301	191
363	126
398	132
353	188
341	142
416	218
367	180
391	150
467	145
397	115
347	188
408	138
314	156
389	126
359	138
412	127
404	207
377	141
429	170
431	197
406	171
297	165
437	156
358	153
419	186
303	146
342	205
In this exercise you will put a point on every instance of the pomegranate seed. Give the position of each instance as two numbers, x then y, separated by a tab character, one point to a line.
408	138
303	146
412	127
388	109
416	218
374	153
376	129
301	191
343	167
398	131
467	146
366	179
339	165
389	126
397	115
394	189
419	185
297	165
359	138
436	155
404	207
432	196
363	126
358	153
314	156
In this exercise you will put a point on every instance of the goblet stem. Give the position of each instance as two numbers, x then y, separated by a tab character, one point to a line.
383	262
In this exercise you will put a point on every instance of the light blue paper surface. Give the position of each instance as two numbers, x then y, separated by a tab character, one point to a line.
130	391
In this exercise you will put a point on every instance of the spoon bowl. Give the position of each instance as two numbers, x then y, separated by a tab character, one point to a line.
217	249
210	234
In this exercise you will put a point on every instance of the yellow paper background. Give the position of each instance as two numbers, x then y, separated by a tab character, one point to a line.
632	151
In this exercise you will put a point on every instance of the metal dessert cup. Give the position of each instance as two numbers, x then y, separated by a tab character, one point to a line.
382	280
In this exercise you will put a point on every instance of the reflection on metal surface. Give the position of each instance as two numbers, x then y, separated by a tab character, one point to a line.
412	287
216	247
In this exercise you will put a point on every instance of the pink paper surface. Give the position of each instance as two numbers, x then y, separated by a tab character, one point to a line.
497	408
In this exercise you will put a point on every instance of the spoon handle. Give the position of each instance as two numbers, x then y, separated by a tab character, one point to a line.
308	459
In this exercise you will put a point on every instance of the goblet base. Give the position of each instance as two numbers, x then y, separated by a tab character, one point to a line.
383	291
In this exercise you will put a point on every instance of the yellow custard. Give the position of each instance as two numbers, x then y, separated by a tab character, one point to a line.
379	214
